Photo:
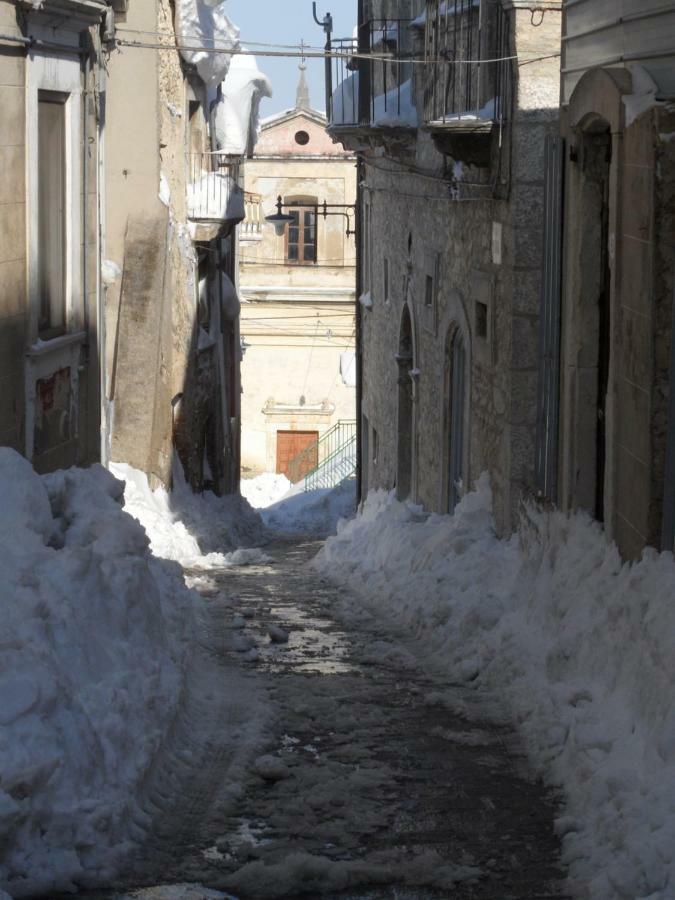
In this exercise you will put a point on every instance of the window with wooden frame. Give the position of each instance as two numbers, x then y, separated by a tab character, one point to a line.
301	234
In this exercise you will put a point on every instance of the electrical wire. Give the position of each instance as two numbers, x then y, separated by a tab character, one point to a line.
275	262
301	318
324	54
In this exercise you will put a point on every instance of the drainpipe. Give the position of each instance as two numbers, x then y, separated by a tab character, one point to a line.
668	522
364	65
360	170
84	368
101	290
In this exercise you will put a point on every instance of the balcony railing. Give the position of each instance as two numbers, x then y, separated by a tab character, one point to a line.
252	226
332	454
213	192
385	80
466	75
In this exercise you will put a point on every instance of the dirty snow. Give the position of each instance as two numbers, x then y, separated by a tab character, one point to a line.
576	645
193	529
96	639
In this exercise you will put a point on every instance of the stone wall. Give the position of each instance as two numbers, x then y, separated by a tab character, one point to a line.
478	233
637	160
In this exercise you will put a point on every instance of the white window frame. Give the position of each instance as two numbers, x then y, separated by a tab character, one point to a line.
60	74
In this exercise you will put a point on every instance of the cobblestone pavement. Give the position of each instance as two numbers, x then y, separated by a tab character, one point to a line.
385	782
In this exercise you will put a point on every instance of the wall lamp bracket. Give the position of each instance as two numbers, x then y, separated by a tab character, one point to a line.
280	219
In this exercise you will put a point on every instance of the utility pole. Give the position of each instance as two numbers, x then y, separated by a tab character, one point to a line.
364	64
327	24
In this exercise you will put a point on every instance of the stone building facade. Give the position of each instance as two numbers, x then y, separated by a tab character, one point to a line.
297	287
174	201
452	215
51	58
610	431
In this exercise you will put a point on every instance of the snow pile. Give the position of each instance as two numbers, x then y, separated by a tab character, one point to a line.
95	641
315	512
345	101
265	489
577	645
204	24
192	529
236	118
396	108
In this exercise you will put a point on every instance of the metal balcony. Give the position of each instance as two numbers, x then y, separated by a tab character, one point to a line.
215	202
466	78
377	93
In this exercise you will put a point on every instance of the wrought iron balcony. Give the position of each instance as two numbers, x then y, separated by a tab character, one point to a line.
373	93
214	198
466	75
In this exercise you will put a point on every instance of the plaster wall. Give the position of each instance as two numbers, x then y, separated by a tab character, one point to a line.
49	397
296	320
13	296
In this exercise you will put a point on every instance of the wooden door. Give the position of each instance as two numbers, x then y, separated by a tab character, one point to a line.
290	445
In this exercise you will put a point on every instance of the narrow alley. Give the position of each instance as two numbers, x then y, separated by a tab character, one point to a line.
337	450
374	777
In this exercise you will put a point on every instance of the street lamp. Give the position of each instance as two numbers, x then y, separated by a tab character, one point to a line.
280	219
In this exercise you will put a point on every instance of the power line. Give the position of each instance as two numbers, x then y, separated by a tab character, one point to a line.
300	318
302	53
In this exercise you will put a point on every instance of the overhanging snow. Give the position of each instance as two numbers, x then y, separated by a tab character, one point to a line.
235	119
203	23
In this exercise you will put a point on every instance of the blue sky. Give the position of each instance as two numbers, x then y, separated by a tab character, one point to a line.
289	22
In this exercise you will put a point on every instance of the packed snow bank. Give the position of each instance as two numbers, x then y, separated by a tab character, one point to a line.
312	512
579	646
192	529
95	642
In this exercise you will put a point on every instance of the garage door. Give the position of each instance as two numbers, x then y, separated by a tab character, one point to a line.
290	445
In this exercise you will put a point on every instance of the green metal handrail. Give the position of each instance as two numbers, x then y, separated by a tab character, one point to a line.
322	449
335	468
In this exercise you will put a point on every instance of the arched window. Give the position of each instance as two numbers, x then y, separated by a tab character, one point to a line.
301	234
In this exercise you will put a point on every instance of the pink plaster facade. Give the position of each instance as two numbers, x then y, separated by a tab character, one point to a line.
278	137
